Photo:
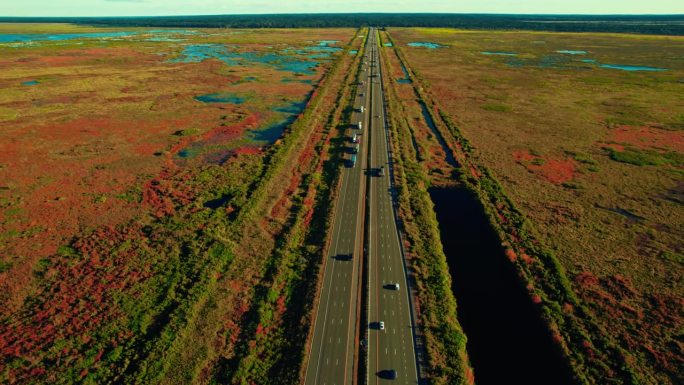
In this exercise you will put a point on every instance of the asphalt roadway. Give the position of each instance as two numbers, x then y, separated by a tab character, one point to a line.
332	358
391	348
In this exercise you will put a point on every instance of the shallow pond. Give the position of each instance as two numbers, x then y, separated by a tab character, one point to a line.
218	202
218	148
31	37
290	80
282	61
325	43
563	61
425	44
221	97
499	53
319	51
274	131
631	68
165	39
11	38
571	52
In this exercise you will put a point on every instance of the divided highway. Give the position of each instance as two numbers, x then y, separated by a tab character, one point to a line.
390	349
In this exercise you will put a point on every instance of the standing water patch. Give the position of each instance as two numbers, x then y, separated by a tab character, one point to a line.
499	53
36	37
274	131
30	83
217	203
431	124
631	68
220	98
425	44
572	52
406	78
508	342
281	61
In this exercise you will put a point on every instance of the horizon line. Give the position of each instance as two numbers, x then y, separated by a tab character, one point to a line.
357	13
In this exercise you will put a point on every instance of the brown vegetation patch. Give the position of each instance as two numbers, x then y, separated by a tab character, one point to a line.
648	137
523	156
556	171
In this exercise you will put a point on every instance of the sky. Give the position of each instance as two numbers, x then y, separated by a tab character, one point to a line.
214	7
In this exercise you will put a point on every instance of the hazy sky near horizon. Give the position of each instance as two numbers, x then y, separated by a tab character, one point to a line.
208	7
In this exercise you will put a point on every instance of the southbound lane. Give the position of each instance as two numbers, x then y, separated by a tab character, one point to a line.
331	359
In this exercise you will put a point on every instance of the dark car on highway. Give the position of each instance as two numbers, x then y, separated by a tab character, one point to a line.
389	374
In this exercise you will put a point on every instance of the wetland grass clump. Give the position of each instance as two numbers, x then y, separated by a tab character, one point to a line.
647	157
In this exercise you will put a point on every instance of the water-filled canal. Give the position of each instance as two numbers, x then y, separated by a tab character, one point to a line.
508	343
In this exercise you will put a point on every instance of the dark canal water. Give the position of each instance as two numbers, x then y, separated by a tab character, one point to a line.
508	343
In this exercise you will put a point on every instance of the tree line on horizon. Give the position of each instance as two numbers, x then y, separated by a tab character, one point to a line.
644	24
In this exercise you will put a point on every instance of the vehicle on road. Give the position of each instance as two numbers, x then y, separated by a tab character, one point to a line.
393	286
381	171
360	125
354	138
355	149
344	257
362	109
352	161
389	374
382	325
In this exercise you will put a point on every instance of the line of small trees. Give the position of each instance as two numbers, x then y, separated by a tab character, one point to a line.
646	24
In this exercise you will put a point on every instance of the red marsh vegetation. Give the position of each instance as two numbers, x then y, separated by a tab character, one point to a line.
110	169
